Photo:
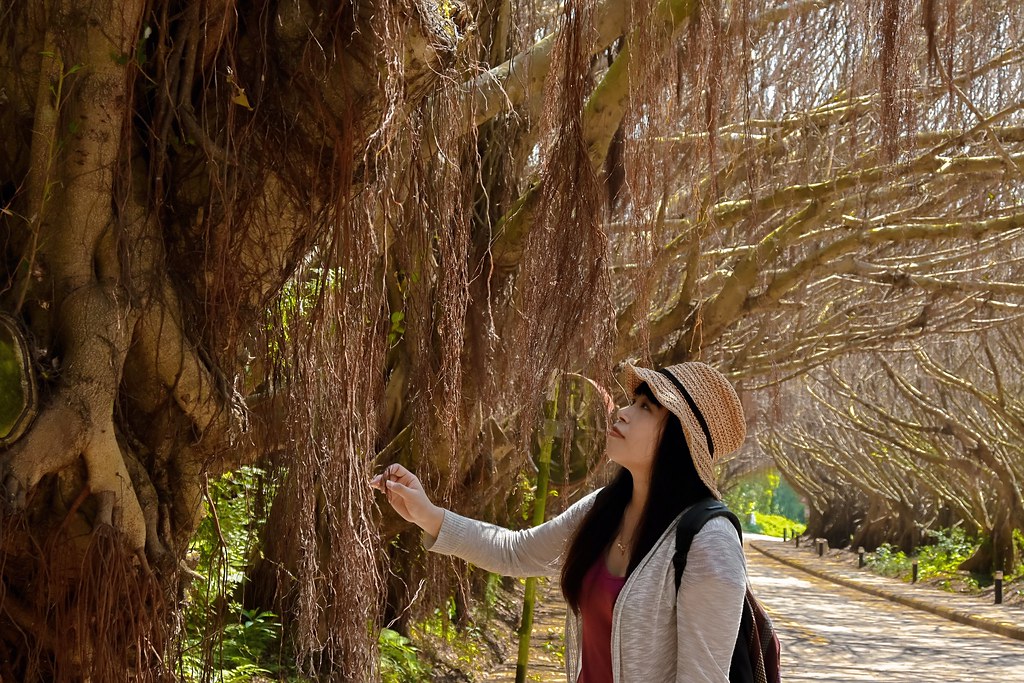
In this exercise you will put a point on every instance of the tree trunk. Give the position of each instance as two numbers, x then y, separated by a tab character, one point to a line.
997	552
156	198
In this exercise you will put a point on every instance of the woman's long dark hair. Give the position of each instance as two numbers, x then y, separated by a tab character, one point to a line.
674	486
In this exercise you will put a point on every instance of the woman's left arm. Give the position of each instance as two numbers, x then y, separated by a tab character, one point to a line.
709	604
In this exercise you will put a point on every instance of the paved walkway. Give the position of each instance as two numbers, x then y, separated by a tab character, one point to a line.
967	609
834	633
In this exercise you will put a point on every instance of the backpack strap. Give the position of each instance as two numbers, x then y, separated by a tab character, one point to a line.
692	521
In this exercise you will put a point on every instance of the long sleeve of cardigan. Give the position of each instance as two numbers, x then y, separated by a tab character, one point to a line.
709	604
531	552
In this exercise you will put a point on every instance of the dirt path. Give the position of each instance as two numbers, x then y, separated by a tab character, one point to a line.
546	643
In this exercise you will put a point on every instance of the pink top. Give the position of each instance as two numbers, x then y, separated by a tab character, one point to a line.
597	600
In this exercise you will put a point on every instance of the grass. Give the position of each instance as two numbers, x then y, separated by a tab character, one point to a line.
772	525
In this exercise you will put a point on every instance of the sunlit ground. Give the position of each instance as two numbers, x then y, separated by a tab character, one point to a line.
834	633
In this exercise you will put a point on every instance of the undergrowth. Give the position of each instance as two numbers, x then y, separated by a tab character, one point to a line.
223	641
467	642
399	659
939	560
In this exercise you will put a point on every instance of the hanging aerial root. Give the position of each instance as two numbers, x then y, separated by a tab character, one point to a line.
111	613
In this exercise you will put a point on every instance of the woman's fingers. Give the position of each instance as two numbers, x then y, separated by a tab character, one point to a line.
406	495
390	472
397	473
402	475
399	488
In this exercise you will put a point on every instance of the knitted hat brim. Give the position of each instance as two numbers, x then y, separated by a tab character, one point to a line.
669	397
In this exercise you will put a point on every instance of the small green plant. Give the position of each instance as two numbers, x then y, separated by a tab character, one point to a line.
555	646
250	637
467	643
888	560
399	659
951	548
491	594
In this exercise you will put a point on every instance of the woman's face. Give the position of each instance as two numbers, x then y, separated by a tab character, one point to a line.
634	435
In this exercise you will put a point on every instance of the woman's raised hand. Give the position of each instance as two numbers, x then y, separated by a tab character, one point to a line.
407	497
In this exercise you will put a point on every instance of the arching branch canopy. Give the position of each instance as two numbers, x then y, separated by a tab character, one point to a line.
323	236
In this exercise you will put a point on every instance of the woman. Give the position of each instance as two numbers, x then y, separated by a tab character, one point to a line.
613	549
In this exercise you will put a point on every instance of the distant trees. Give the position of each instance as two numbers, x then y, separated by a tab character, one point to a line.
894	444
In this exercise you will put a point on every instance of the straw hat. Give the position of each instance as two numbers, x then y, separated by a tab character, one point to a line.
707	406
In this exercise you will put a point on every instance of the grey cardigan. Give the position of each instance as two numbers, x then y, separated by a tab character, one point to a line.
657	635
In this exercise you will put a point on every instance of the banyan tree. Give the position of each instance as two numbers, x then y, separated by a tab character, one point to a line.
893	446
322	236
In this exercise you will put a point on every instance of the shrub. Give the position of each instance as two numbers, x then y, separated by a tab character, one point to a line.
951	548
888	561
399	659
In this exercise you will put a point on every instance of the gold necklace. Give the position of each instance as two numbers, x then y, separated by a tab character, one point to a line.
620	544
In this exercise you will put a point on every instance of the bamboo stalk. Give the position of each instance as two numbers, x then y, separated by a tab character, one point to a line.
543	472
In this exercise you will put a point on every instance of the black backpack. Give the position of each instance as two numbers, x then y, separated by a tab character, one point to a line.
757	654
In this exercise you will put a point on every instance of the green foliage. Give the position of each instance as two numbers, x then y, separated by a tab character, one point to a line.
140	50
752	494
577	407
951	548
397	327
766	493
299	298
526	491
491	593
888	561
938	560
12	395
1018	542
555	647
772	525
224	641
787	503
399	661
468	643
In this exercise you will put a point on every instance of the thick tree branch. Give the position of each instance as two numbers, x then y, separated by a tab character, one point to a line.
601	117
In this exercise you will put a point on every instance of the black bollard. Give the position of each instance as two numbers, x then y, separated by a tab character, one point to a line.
999	588
821	548
860	557
914	569
797	541
785	534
